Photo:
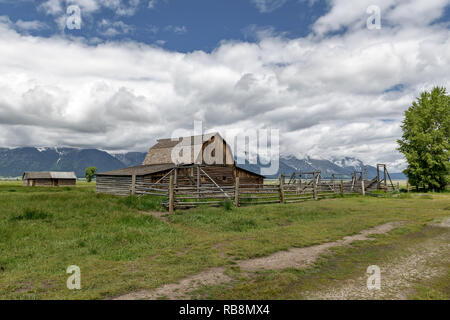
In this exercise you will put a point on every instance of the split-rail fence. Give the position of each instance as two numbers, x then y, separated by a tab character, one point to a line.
299	187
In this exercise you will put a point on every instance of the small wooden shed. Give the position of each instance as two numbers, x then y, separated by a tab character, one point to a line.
49	179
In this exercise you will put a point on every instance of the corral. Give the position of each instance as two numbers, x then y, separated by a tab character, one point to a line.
206	174
202	161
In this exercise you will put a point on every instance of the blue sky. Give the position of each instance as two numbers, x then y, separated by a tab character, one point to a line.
183	25
133	73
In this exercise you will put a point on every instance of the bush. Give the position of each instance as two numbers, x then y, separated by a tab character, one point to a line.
32	214
227	204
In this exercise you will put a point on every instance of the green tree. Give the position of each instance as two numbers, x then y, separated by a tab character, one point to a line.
90	173
425	140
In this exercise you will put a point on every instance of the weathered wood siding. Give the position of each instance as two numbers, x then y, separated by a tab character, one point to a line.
221	175
49	182
246	177
67	182
117	185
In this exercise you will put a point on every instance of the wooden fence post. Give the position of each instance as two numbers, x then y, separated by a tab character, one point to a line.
378	177
236	192
342	187
133	184
314	185
407	186
281	189
198	182
171	194
299	183
363	190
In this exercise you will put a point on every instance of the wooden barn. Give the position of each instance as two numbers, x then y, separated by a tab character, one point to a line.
49	179
201	160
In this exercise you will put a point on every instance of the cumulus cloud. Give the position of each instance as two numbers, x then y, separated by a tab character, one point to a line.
338	95
113	28
176	29
152	4
346	14
87	8
266	6
25	26
58	8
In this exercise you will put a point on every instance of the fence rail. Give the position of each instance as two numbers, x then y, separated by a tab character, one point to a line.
297	190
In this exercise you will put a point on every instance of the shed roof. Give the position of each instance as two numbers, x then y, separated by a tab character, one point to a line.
49	175
141	170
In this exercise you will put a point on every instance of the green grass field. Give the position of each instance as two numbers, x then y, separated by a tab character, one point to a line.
120	248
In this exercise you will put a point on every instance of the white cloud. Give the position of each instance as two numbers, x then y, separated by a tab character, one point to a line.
266	6
256	32
176	29
31	25
152	4
352	14
328	95
52	7
25	26
113	28
88	7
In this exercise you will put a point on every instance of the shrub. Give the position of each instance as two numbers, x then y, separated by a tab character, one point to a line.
32	214
227	204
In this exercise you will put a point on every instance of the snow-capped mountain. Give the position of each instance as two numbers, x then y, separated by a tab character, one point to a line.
14	162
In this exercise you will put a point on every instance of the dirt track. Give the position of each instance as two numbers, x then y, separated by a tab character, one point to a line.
398	277
295	258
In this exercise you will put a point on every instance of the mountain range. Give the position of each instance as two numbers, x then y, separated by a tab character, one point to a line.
14	162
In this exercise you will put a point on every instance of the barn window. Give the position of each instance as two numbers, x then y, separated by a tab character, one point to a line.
224	178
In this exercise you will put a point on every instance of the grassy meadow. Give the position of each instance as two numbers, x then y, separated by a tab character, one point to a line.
121	248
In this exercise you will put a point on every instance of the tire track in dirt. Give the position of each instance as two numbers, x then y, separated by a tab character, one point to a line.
293	258
397	278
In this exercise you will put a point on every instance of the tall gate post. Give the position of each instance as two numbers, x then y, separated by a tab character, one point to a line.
198	182
363	190
281	189
342	187
133	184
171	194
314	185
378	177
299	183
236	192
